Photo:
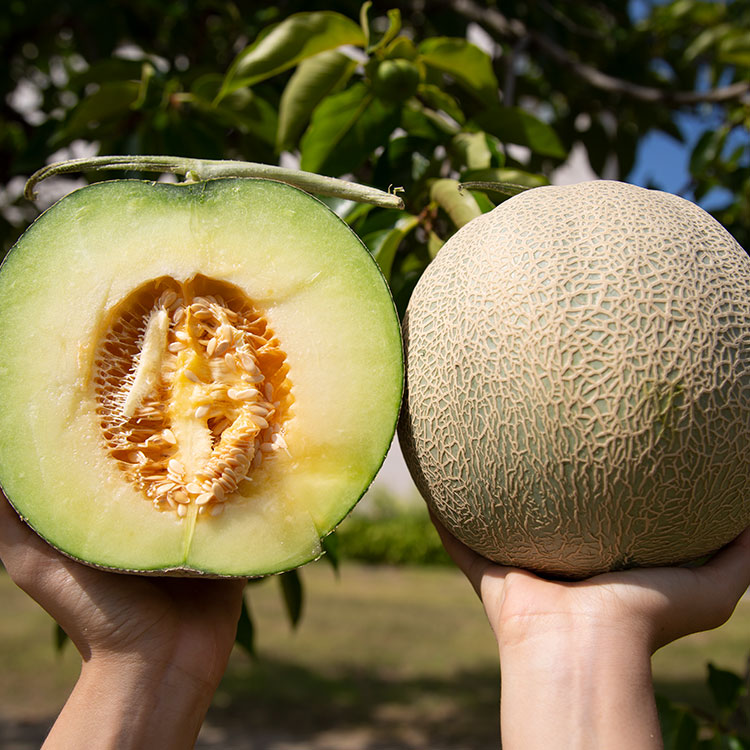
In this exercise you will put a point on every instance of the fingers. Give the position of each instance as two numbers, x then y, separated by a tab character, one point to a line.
487	577
34	566
474	566
726	576
693	599
12	530
18	544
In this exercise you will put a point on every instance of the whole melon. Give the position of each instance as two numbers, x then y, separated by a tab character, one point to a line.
578	381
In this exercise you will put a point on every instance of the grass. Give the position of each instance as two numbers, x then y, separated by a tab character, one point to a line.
399	652
34	678
404	654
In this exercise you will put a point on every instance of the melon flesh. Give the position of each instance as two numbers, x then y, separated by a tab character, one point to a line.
332	367
578	381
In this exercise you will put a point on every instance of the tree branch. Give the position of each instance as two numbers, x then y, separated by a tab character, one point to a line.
495	21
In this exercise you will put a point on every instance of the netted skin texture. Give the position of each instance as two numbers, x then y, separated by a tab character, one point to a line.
578	381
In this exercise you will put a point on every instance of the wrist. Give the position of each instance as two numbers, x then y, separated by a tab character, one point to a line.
129	701
560	650
580	685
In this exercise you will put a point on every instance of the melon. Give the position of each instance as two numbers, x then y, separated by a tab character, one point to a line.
578	381
195	379
394	79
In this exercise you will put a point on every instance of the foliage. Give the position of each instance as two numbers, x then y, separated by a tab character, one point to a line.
390	533
728	728
389	96
400	540
290	584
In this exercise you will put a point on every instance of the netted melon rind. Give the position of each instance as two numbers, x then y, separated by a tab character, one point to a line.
578	381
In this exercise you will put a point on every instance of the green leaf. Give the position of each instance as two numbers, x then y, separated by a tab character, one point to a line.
679	727
394	26
422	122
434	243
364	22
358	212
291	588
505	176
253	115
246	629
460	206
331	548
61	638
484	203
112	101
348	210
285	45
147	74
109	69
496	149
315	78
472	150
402	47
378	220
243	109
726	687
438	99
707	150
384	243
405	279
515	125
735	48
345	129
405	162
468	65
704	40
331	121
598	144
698	12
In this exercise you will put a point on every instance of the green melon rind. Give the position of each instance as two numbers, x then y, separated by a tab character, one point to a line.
297	250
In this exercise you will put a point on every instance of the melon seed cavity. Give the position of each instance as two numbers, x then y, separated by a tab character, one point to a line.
192	392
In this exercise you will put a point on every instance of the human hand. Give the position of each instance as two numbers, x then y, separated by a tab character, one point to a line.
145	642
659	604
575	656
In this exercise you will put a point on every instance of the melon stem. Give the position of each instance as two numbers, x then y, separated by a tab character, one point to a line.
206	169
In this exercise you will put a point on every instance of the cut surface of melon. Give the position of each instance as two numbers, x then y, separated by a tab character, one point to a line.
198	378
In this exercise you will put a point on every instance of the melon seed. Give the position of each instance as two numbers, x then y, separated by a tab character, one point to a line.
189	409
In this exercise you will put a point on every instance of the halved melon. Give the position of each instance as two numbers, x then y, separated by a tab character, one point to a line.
194	379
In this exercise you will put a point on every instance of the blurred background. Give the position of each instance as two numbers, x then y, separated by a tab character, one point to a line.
387	647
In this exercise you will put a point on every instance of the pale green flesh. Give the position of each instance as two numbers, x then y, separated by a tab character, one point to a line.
322	294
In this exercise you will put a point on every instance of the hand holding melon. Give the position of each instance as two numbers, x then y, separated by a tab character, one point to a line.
575	655
153	649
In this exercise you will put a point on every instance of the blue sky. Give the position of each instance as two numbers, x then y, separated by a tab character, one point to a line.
663	161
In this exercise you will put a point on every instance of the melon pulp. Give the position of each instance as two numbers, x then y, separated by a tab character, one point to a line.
194	379
578	381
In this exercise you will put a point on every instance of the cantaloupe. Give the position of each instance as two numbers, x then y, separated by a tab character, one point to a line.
578	381
195	378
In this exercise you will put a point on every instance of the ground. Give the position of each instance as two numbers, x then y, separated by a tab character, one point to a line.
384	659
